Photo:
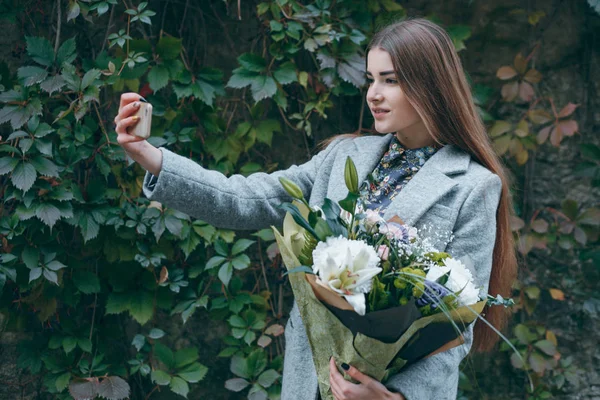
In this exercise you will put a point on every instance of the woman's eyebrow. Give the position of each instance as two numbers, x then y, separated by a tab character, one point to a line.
382	73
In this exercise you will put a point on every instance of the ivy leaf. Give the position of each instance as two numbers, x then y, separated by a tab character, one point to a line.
63	381
85	344
179	386
31	75
89	78
34	274
252	62
73	10
268	377
203	91
236	384
40	50
352	70
141	307
165	355
160	377
23	176
241	245
185	357
225	273
66	52
53	84
239	367
241	78
69	344
89	227
44	166
168	48
51	276
193	373
86	281
48	214
7	164
158	77
83	388
263	87
114	388
286	73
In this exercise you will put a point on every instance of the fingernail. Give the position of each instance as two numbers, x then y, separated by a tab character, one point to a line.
136	104
135	117
345	366
143	99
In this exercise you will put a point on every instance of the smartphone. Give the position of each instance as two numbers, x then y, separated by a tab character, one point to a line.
142	128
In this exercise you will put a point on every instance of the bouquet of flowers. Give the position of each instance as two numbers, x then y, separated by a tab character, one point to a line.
374	294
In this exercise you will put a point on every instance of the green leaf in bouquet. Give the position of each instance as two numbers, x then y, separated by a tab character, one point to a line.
298	218
349	203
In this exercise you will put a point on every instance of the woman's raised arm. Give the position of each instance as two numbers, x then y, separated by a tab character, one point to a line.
235	202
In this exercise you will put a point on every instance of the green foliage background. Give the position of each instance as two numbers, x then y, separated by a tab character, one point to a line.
108	293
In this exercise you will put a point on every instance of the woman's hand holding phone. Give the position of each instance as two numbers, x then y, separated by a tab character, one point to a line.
148	156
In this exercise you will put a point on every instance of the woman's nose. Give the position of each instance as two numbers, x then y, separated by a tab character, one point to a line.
373	96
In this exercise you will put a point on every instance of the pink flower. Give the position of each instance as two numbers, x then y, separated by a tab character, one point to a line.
383	252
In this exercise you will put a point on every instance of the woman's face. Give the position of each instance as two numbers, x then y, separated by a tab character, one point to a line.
389	106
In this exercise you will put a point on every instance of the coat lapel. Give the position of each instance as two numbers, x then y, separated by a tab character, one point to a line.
429	184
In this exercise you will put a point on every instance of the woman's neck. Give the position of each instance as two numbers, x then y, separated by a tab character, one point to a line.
415	136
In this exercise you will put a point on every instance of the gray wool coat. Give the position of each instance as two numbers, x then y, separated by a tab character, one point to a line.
451	192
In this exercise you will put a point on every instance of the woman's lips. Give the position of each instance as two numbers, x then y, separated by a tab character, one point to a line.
379	113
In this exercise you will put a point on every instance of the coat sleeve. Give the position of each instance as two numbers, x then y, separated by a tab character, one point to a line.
235	202
436	377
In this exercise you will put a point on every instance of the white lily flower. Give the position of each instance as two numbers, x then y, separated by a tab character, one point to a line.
347	267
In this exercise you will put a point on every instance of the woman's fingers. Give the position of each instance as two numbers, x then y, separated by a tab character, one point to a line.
127	98
125	123
127	111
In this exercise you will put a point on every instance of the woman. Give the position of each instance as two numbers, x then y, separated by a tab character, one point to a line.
434	166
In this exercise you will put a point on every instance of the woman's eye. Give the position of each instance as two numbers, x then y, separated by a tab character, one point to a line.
392	81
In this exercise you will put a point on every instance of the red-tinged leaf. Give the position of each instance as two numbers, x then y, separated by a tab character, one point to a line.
510	91
567	110
542	136
526	91
520	63
506	72
522	157
540	226
550	336
540	242
81	389
533	76
566	227
557	294
556	137
537	363
516	361
546	346
164	275
539	116
580	236
522	128
569	127
264	341
516	223
499	128
525	244
501	144
275	330
591	216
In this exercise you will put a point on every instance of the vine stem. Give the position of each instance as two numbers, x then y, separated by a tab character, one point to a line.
58	25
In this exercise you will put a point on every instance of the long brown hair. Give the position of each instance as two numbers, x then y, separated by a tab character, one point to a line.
431	76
